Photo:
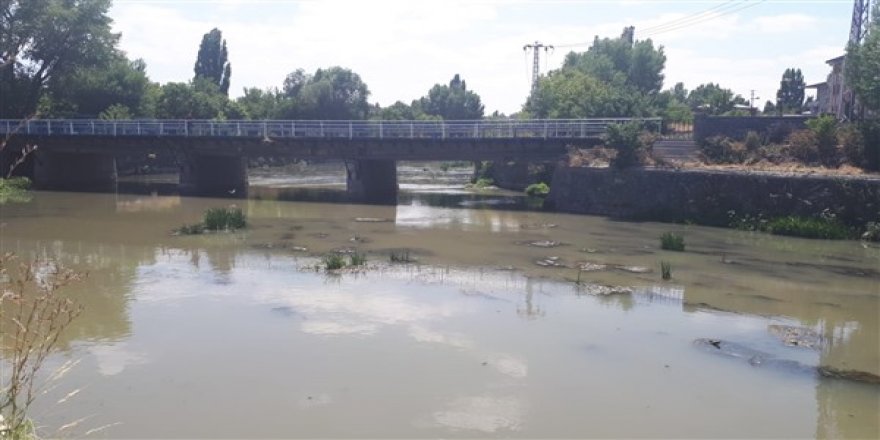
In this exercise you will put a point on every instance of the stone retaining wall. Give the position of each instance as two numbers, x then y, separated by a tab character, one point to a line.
711	197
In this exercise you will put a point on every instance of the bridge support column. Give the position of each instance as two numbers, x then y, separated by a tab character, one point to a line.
74	171
217	176
372	181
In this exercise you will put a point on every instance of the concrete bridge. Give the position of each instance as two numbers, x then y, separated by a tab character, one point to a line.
79	154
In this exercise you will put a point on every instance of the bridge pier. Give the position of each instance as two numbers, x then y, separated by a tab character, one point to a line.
372	181
74	171
213	175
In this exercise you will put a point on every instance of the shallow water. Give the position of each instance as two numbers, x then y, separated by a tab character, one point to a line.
237	335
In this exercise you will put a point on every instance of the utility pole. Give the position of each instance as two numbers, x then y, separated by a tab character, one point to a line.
536	63
752	99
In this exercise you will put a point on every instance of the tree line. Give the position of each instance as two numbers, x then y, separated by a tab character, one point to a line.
60	59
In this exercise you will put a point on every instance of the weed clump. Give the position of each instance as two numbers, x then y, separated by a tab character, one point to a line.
481	183
537	190
219	219
333	261
14	190
671	241
357	259
808	227
665	270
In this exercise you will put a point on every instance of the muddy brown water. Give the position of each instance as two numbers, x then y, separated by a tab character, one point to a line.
237	335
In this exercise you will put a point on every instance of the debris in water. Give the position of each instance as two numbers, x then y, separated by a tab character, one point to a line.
634	269
542	243
603	290
372	220
592	267
549	262
796	336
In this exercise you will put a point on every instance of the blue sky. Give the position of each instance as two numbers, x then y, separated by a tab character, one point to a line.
401	48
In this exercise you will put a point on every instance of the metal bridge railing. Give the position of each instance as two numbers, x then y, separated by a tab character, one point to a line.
543	128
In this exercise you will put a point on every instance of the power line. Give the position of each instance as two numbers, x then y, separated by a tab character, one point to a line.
713	17
690	17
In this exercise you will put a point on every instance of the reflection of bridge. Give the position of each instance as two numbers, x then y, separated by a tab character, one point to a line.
80	153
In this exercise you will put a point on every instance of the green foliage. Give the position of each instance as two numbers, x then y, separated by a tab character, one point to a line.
571	93
852	142
218	219
808	227
200	99
627	140
115	112
621	60
538	190
452	102
769	108
333	93
47	40
665	270
14	190
333	261
863	63
92	91
356	259
671	241
870	129
212	62
712	99
481	183
824	129
260	104
790	95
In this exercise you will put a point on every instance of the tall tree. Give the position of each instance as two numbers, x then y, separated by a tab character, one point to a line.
44	39
453	101
863	63
212	62
332	93
622	60
90	91
790	96
713	99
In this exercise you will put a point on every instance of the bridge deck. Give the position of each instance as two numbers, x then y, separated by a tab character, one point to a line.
331	130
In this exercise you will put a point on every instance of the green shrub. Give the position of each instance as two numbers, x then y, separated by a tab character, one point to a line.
357	259
333	261
824	128
537	190
853	143
626	140
665	270
218	219
671	241
803	146
481	183
722	149
753	141
808	227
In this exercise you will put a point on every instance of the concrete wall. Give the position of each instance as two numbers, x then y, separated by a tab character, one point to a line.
73	171
711	197
737	126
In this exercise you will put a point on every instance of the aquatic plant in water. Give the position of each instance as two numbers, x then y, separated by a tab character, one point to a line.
333	261
217	219
537	190
665	270
400	257
671	241
357	259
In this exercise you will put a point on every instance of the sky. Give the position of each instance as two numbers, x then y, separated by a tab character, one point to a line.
402	48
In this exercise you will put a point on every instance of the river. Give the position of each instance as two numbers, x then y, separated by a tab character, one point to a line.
490	331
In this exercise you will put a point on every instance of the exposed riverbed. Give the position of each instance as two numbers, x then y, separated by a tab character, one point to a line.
485	334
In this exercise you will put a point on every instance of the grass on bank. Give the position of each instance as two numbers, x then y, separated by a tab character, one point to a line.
808	227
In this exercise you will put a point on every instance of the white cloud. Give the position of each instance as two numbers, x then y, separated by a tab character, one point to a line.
785	23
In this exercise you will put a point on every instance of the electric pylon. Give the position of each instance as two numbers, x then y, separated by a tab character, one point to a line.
536	63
